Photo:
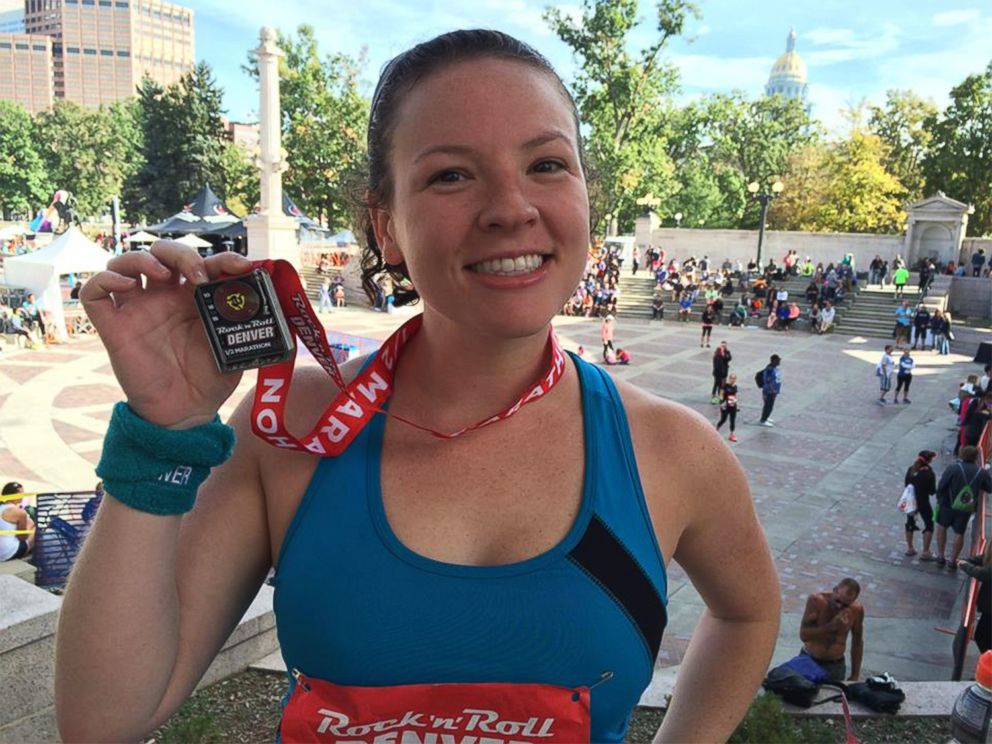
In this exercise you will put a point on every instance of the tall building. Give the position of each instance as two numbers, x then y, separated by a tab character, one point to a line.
101	49
26	70
788	77
11	16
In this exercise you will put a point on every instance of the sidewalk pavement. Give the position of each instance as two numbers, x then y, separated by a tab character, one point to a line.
825	480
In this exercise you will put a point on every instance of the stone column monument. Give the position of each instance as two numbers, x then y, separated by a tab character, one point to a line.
271	232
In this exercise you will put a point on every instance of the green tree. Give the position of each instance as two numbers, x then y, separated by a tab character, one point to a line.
806	185
240	179
959	161
182	147
752	140
863	195
622	98
843	186
324	119
901	123
24	185
89	153
697	193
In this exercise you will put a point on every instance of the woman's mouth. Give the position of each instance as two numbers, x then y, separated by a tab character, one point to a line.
509	266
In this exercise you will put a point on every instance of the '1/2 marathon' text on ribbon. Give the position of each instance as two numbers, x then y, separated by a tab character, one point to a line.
358	401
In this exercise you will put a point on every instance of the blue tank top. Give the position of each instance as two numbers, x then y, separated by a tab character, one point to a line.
355	606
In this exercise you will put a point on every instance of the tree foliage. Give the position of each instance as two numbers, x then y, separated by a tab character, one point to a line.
622	97
241	184
842	186
901	123
752	141
324	119
24	185
90	153
959	160
183	144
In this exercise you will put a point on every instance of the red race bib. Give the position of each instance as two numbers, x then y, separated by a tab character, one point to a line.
480	713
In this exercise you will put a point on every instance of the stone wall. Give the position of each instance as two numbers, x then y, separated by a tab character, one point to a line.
971	297
27	653
742	244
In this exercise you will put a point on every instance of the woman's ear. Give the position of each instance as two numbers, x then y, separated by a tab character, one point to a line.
383	226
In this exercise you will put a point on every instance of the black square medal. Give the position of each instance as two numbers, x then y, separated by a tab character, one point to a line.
244	322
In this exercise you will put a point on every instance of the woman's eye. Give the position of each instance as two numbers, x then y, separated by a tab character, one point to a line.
448	176
549	166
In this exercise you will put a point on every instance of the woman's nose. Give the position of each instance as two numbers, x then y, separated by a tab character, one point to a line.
508	206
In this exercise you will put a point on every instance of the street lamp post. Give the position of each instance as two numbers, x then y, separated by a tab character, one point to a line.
764	198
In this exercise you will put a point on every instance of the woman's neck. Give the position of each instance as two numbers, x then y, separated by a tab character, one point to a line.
449	378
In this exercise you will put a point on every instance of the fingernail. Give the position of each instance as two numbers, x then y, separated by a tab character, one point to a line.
199	275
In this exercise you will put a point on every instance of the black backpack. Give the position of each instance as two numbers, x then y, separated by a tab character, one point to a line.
791	686
759	378
883	698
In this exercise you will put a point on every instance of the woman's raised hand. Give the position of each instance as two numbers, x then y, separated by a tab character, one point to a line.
153	333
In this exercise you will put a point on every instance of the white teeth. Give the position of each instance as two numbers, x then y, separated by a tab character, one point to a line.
510	266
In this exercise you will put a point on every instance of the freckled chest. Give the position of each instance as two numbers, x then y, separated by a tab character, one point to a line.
499	495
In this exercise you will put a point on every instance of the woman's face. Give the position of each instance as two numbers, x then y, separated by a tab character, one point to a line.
489	210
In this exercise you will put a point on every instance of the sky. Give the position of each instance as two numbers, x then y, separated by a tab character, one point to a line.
854	50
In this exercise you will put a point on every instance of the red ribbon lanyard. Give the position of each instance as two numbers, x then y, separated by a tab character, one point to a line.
358	401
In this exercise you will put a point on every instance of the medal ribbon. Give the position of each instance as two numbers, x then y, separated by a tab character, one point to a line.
358	401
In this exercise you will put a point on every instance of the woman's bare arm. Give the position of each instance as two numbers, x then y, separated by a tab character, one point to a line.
704	518
152	599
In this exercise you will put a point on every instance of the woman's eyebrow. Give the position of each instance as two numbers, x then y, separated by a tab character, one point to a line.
542	139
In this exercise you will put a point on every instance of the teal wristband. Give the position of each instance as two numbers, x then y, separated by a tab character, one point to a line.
158	470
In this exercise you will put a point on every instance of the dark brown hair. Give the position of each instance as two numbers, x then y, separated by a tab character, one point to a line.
400	75
851	584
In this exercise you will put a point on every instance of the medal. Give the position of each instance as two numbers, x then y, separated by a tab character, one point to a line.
358	400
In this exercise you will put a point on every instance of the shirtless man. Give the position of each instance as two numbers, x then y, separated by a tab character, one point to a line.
828	618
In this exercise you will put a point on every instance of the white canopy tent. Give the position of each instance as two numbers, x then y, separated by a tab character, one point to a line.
39	272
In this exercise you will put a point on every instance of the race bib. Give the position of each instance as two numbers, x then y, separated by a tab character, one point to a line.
481	713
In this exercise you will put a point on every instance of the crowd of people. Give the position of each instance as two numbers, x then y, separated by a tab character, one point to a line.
598	292
762	294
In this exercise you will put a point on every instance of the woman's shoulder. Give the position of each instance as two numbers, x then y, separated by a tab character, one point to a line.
663	425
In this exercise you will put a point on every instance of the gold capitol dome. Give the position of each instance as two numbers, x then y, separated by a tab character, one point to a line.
789	76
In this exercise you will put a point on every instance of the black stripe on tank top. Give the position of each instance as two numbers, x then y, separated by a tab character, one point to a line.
608	562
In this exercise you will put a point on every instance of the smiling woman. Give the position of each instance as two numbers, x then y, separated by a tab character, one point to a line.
508	584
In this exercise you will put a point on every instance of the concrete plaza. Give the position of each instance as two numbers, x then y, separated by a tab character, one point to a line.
825	480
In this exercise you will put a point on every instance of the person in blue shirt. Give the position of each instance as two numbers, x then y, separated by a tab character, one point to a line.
904	377
770	389
685	306
904	320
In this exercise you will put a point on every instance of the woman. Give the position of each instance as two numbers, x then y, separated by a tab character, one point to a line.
904	377
728	405
978	413
606	333
415	558
814	318
883	370
921	477
707	319
936	331
16	525
721	368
